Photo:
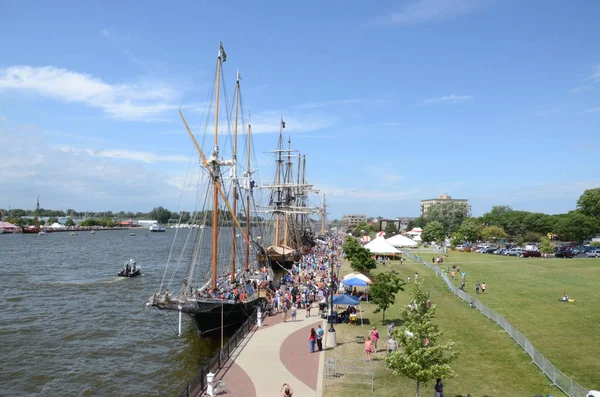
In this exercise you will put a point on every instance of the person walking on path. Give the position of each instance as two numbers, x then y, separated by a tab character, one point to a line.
294	310
483	288
308	306
477	287
439	388
320	334
368	348
284	310
312	339
391	344
286	390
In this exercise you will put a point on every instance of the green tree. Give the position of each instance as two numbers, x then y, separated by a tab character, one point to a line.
69	222
162	215
492	233
390	229
532	237
384	289
575	226
362	261
470	229
417	222
433	231
350	247
449	214
546	246
422	358
52	221
589	203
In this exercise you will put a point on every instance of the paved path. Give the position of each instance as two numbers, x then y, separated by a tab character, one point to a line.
272	355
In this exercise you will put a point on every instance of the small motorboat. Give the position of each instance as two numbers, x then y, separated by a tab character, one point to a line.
73	234
93	232
130	269
132	234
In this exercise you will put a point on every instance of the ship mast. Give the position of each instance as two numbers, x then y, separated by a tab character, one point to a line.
288	193
234	176
215	175
37	214
324	216
278	177
247	239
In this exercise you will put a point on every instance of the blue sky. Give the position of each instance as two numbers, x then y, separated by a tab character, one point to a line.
392	101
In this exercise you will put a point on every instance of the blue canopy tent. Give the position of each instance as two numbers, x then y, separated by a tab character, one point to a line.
346	299
354	282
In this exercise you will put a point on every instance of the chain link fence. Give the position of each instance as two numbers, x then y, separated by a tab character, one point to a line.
559	379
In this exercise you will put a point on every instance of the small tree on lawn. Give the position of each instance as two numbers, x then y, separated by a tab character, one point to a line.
384	289
546	246
361	261
421	357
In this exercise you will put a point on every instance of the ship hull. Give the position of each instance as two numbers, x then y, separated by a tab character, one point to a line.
212	315
286	261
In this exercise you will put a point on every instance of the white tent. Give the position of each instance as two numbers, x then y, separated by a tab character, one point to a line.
380	246
415	231
401	241
417	238
359	276
56	225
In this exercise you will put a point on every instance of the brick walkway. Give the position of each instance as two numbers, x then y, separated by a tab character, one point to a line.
272	355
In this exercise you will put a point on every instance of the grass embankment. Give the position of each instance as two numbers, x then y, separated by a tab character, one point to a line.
526	292
489	363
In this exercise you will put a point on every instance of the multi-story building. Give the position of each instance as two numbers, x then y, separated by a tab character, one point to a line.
353	219
444	198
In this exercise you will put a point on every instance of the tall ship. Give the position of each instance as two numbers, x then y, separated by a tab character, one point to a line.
34	229
215	278
289	205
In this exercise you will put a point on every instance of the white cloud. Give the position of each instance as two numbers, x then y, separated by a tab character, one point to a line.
580	89
140	100
372	194
268	122
446	99
78	179
422	11
596	76
133	155
592	110
2	118
334	102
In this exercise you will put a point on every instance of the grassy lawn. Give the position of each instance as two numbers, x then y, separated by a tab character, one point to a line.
526	291
489	362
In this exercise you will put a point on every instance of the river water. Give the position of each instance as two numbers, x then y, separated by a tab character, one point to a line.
70	327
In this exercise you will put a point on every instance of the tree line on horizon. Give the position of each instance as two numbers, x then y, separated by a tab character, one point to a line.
502	223
21	217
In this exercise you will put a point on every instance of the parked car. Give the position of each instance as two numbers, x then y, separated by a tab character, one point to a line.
531	254
513	252
460	247
593	254
563	254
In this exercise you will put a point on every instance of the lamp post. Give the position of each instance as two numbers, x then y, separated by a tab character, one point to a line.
331	337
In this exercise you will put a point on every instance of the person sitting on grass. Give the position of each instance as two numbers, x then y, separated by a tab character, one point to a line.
565	297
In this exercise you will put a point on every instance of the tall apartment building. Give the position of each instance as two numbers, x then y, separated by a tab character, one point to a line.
444	198
353	219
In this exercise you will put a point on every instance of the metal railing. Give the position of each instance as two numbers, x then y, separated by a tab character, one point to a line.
428	250
197	385
558	378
